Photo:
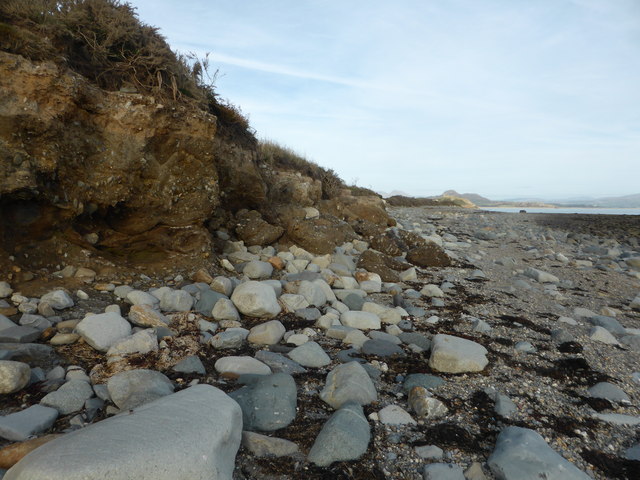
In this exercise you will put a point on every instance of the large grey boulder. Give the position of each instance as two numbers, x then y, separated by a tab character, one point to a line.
133	388
268	402
58	299
103	330
442	471
21	425
268	333
190	435
522	454
346	383
256	299
456	355
69	398
360	320
207	301
310	354
345	436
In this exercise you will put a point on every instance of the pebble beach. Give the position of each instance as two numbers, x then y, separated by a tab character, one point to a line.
518	357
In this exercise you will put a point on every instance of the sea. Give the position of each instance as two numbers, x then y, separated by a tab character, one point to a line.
569	210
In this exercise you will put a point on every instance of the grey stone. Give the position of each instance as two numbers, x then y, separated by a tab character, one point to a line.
310	314
381	348
424	380
207	302
474	472
415	338
256	299
313	293
504	406
14	376
560	335
310	354
173	300
429	452
609	323
122	291
138	297
348	382
480	326
144	341
103	330
581	312
190	364
376	335
224	309
222	285
34	321
146	316
540	276
456	355
525	347
353	301
230	338
292	302
34	354
601	334
522	454
257	269
631	341
19	334
133	388
349	355
234	366
268	333
193	434
442	471
5	323
360	320
268	402
633	453
263	446
279	363
395	415
5	290
21	425
618	418
424	405
58	299
69	398
609	392
345	436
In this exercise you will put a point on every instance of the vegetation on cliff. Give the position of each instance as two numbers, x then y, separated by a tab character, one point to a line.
105	41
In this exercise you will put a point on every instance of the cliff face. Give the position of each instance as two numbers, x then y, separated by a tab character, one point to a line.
136	172
79	150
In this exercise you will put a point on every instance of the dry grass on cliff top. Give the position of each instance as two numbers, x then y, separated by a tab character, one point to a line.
280	157
104	41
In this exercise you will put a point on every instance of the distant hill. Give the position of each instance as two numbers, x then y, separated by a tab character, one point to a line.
626	201
474	198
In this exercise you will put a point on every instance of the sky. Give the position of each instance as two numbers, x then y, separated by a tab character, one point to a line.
506	98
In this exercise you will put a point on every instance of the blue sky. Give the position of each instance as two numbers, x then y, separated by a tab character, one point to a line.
506	98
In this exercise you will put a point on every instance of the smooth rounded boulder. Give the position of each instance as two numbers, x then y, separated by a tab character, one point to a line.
191	435
457	355
256	299
522	454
